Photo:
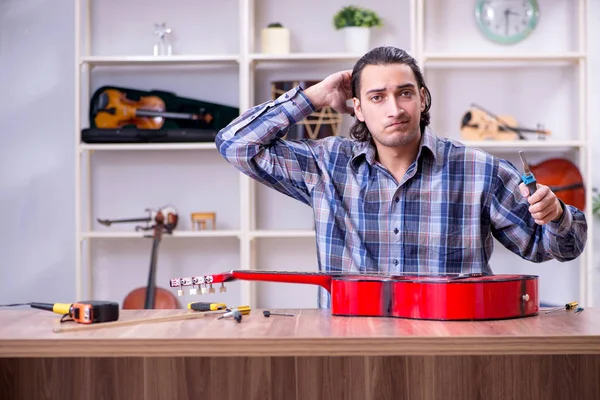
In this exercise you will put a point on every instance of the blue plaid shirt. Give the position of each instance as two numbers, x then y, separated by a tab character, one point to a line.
441	218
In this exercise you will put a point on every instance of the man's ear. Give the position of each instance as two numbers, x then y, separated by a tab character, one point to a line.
422	99
358	109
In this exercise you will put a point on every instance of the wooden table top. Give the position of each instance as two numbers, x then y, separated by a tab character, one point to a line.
311	332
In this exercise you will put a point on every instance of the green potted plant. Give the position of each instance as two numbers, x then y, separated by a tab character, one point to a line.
275	39
356	23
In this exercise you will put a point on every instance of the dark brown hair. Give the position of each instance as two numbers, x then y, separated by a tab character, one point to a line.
383	56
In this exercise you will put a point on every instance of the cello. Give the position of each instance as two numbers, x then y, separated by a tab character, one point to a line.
152	297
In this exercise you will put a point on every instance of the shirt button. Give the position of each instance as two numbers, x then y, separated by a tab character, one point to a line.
396	231
397	199
395	262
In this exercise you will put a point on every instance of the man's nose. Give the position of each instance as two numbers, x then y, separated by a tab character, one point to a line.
394	109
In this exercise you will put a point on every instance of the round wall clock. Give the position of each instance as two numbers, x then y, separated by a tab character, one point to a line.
506	21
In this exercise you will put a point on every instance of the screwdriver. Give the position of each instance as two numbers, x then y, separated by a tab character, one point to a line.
528	177
267	314
236	313
569	306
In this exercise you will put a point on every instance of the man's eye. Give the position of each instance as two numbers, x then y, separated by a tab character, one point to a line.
406	93
376	98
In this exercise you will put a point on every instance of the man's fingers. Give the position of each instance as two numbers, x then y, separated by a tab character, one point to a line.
541	192
546	214
523	189
541	206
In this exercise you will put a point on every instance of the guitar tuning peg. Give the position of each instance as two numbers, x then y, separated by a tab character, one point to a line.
193	291
211	290
203	289
222	289
177	283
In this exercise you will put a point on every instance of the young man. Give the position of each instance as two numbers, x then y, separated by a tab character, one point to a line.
395	198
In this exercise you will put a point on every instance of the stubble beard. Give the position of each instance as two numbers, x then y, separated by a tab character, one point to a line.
398	138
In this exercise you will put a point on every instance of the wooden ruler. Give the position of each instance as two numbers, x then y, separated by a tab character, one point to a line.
70	326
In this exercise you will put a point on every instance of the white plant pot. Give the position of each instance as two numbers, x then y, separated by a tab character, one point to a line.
357	39
275	40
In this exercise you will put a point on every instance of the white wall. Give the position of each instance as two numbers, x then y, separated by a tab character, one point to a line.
36	151
37	144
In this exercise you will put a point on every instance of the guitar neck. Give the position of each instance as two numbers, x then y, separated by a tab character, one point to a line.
310	278
321	279
165	114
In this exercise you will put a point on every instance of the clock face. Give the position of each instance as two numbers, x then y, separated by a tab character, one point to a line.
506	21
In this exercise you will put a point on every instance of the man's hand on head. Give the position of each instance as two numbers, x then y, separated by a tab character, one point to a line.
333	91
544	206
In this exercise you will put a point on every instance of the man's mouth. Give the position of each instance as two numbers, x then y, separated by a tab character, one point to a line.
398	123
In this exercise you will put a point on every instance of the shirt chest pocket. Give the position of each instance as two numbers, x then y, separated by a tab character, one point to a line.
442	243
375	204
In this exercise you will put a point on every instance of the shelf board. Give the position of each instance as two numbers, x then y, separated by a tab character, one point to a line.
527	57
453	59
176	234
259	57
282	234
535	144
147	146
158	60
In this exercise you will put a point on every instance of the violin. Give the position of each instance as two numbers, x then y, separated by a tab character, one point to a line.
452	297
563	178
115	110
480	124
151	296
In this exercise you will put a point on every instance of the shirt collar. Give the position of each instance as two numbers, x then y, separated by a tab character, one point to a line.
368	151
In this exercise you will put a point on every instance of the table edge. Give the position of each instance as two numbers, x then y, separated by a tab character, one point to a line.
272	347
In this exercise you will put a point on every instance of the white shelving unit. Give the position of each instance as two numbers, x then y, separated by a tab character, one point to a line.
248	60
580	145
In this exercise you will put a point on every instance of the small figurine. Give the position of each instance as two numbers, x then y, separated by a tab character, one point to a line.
163	46
199	220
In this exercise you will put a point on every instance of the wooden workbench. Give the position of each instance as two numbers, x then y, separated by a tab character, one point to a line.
312	355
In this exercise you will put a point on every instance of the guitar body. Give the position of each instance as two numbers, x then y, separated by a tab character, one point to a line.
564	178
442	297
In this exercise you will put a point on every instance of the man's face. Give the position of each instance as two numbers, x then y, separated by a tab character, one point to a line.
390	104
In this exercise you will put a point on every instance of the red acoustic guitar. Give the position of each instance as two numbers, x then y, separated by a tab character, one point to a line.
430	297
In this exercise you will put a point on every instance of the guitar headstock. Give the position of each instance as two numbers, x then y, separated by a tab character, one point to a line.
204	283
